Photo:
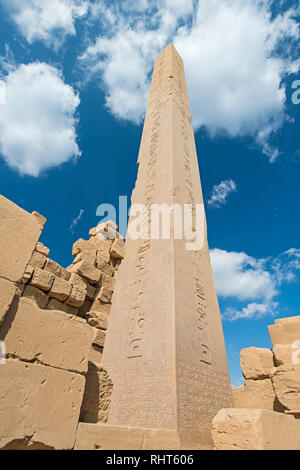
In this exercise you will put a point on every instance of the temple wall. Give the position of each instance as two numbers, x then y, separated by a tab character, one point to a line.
53	324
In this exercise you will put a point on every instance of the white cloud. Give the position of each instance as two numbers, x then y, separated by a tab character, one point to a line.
236	55
47	20
37	123
123	58
250	311
241	276
256	282
76	220
221	192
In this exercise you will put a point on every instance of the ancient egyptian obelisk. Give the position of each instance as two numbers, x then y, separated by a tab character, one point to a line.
164	350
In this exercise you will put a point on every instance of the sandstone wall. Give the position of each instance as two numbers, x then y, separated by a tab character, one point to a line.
53	323
267	407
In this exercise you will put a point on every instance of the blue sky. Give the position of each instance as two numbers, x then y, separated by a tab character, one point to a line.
76	75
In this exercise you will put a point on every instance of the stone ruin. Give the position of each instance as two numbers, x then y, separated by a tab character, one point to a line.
53	325
267	406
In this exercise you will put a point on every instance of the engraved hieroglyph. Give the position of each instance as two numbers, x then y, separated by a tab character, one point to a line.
164	350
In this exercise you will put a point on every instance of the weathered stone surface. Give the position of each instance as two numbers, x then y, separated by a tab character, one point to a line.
41	248
42	279
53	267
88	270
118	249
36	295
105	294
283	354
256	363
91	291
64	274
60	289
77	297
106	437
285	330
97	320
7	294
103	263
27	274
39	218
38	260
255	394
248	429
19	234
38	401
99	338
79	246
286	382
55	339
77	281
56	305
96	354
97	395
100	307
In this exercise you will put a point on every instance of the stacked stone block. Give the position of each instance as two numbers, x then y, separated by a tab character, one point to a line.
273	376
53	323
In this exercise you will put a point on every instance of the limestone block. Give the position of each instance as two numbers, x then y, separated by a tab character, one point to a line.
19	234
27	274
41	248
105	294
102	245
96	354
103	263
100	307
85	308
78	281
36	295
286	382
248	429
88	270
91	291
285	330
58	340
99	338
39	218
97	395
107	230
65	274
53	267
56	305
79	246
97	320
42	279
107	437
283	354
38	401
60	289
118	249
255	394
77	297
256	363
38	260
7	294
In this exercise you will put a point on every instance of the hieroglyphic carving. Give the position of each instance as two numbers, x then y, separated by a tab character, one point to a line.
201	312
138	314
